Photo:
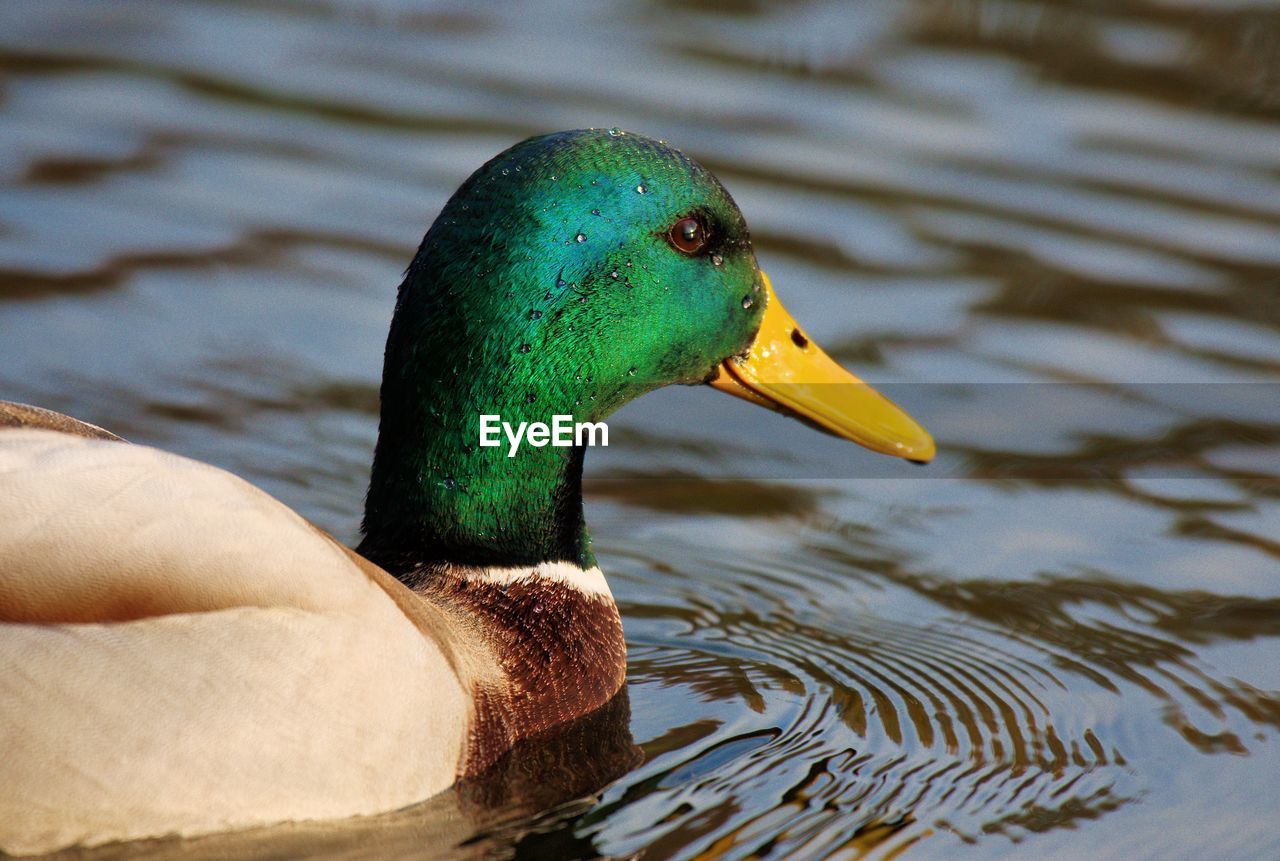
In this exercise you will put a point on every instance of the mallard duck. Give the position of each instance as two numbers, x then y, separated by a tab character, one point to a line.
181	654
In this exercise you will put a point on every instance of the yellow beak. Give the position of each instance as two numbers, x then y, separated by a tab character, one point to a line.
785	371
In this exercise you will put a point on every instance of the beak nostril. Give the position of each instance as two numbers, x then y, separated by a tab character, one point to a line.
798	338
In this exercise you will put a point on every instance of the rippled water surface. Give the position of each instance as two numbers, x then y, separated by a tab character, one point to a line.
1052	227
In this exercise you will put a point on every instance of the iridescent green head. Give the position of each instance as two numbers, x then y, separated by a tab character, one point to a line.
550	284
567	276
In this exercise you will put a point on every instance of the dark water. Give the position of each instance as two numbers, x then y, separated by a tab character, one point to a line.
1055	226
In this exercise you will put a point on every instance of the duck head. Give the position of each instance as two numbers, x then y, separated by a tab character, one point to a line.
567	276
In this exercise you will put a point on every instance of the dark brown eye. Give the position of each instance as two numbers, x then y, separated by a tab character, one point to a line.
688	235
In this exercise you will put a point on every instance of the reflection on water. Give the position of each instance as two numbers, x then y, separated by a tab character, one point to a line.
1052	228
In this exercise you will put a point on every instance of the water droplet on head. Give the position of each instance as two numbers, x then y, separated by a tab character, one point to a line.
547	295
449	483
595	212
641	189
535	314
717	260
524	348
531	397
559	282
631	372
614	275
581	237
746	302
505	172
616	132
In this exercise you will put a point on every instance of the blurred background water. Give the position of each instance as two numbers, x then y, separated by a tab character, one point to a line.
1051	226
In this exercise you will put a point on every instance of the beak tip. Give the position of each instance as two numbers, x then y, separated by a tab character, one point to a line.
921	452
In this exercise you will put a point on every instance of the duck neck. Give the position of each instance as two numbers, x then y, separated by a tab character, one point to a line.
436	495
438	498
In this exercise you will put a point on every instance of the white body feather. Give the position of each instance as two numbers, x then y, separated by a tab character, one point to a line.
181	654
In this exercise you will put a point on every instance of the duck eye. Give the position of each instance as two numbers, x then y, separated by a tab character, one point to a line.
688	235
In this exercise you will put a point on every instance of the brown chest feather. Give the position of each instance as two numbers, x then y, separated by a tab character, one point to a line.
561	651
